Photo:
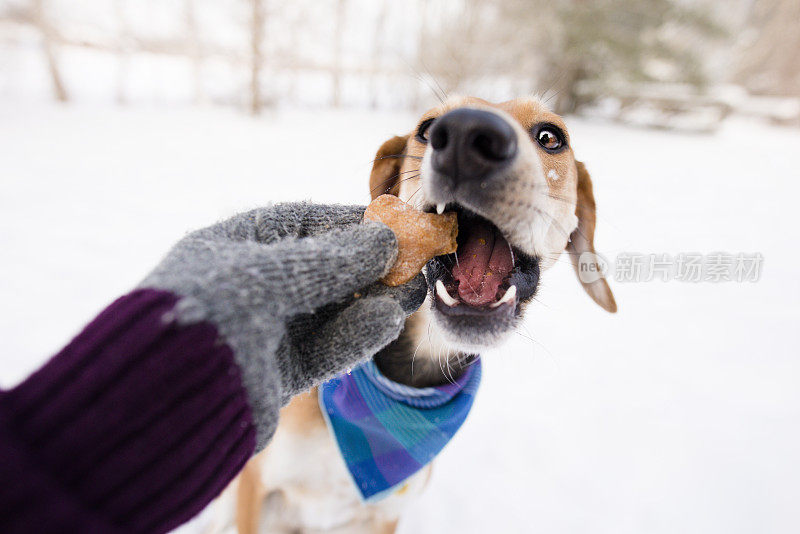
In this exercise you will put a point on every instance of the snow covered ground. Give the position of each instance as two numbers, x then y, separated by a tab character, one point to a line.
679	414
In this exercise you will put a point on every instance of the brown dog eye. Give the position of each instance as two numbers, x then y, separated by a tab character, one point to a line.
549	139
422	131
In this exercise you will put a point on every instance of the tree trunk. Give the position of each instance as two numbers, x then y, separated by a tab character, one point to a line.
377	48
257	37
123	52
195	51
422	34
770	65
338	37
48	35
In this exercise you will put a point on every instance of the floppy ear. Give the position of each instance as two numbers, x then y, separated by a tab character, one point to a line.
386	167
581	241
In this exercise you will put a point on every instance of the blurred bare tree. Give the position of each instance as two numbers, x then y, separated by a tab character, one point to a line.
338	38
574	48
194	48
36	14
577	53
256	54
770	64
378	49
465	41
605	43
49	39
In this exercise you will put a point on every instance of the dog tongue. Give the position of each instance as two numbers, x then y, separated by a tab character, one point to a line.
484	261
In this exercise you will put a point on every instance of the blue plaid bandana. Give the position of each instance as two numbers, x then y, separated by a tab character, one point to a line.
387	431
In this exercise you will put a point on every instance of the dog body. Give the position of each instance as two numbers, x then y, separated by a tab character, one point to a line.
509	172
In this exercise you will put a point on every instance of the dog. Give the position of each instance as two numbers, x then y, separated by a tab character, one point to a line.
509	172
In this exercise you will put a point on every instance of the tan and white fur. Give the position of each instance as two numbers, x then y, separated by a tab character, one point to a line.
545	206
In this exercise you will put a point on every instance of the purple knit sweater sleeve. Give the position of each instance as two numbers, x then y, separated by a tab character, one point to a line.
134	427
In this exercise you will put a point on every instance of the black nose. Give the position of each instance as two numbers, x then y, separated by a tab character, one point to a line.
471	143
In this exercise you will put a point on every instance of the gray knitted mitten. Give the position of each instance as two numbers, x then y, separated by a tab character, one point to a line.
292	289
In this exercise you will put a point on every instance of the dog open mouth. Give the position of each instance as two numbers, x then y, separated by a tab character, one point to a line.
486	275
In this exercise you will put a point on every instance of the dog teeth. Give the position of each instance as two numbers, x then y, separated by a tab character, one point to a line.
444	295
440	207
511	294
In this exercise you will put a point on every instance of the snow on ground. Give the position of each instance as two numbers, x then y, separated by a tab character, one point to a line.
679	414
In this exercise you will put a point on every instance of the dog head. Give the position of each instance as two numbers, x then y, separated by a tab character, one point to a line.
508	170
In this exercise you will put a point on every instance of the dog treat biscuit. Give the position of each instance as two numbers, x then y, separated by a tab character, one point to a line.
420	236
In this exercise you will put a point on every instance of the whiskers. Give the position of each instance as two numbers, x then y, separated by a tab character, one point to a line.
528	335
394	176
437	90
395	156
553	221
448	374
415	192
413	356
